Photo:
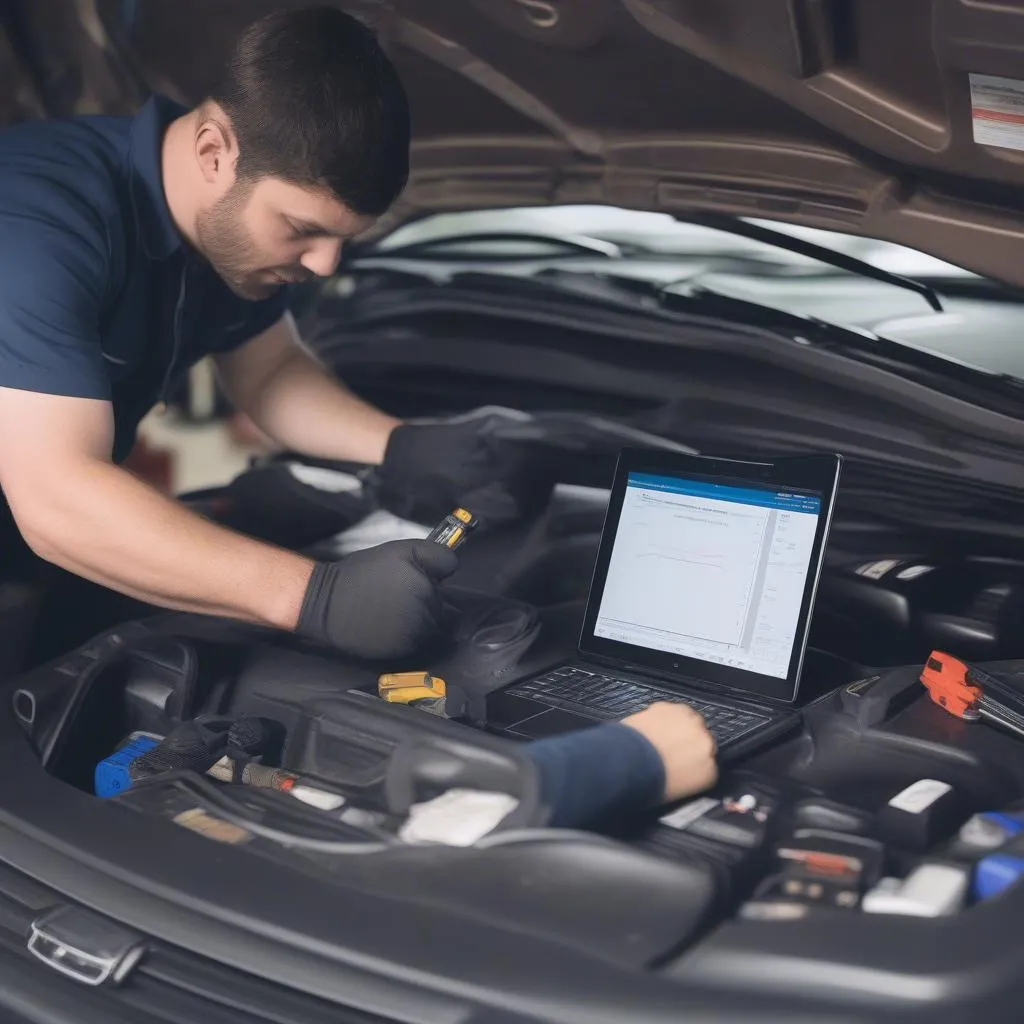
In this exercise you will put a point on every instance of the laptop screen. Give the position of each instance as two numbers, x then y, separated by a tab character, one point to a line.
711	571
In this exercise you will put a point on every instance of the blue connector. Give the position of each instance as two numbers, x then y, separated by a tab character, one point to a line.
996	872
111	775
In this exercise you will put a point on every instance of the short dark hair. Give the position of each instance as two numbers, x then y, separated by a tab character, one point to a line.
313	99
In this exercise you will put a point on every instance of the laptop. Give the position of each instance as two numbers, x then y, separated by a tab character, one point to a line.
702	594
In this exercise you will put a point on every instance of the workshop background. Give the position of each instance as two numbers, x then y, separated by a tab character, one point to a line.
190	446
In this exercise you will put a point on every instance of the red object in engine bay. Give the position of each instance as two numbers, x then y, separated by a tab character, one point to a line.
947	681
967	692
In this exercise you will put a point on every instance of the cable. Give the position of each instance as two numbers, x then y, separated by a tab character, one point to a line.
209	794
536	835
215	799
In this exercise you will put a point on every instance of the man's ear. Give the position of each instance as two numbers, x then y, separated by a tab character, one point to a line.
215	148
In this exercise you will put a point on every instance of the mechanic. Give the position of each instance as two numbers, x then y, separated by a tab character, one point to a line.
133	247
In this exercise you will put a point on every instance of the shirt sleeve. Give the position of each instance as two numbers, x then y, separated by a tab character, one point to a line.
52	282
597	773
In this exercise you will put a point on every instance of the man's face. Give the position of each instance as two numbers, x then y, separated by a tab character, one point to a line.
260	235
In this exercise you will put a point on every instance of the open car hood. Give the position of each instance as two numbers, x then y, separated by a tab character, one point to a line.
901	121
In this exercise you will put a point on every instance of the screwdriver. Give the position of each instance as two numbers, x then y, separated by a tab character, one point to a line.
421	689
454	528
960	689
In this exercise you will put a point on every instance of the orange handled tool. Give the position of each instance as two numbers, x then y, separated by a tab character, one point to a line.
945	679
954	685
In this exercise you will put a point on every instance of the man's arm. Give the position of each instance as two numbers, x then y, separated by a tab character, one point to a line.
653	757
291	398
78	510
425	469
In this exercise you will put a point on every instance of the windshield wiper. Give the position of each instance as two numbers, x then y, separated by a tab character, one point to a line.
758	233
432	248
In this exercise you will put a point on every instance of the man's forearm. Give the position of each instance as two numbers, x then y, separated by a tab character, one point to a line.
302	408
123	534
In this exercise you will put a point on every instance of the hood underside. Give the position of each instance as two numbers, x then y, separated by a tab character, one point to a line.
896	119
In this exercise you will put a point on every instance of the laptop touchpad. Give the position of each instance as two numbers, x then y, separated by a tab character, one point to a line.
552	723
505	709
531	718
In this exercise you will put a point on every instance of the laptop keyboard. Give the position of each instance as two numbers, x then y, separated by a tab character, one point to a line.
607	697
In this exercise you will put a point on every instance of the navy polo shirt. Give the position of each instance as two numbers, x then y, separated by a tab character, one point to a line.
100	296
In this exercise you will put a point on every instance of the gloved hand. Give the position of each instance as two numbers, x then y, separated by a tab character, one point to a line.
431	468
382	602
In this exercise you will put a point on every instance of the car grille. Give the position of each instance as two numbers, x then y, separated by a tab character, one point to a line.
169	985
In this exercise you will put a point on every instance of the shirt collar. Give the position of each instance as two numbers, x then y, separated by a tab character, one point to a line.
157	231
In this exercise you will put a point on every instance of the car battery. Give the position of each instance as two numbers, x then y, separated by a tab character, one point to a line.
816	868
921	815
932	889
727	830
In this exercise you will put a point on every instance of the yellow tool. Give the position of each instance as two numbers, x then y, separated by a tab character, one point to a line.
400	680
406	687
454	528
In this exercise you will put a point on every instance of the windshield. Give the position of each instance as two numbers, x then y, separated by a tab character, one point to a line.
657	233
981	324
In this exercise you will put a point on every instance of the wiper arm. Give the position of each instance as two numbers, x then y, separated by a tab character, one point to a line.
758	233
430	248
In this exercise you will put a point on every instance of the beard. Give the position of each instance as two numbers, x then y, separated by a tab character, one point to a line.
229	248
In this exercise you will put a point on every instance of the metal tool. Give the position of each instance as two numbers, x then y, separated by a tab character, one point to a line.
960	689
262	776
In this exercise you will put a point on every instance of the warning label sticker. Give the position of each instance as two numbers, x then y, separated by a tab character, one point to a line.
213	828
997	110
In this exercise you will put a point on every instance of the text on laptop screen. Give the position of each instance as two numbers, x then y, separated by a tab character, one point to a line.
709	571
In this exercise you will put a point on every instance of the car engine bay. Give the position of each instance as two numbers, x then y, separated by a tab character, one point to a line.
855	861
307	852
